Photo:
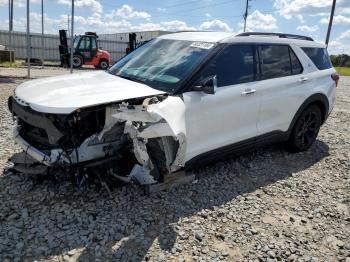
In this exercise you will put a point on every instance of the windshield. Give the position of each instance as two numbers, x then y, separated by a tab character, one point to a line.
161	63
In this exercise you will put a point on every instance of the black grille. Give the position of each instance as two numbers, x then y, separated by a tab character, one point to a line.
35	136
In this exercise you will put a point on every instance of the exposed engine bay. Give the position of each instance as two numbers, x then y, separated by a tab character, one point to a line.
141	140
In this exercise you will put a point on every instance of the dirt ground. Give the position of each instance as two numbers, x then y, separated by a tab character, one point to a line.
268	205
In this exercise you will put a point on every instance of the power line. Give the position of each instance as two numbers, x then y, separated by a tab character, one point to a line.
184	10
166	6
181	4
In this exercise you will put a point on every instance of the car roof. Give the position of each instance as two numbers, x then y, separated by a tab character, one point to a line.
211	37
223	37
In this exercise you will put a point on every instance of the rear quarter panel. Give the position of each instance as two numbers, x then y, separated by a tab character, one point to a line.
320	80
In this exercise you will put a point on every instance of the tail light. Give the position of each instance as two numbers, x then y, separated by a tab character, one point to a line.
335	77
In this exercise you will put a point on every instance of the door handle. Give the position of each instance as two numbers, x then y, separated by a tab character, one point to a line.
303	79
248	91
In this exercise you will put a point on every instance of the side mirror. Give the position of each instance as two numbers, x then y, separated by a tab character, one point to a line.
208	85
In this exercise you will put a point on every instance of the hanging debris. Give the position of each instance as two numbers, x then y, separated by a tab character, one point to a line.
140	140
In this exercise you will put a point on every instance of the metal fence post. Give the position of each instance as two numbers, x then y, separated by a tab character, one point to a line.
42	32
28	41
71	39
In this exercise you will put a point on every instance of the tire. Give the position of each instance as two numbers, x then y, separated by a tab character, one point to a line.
103	64
78	61
305	129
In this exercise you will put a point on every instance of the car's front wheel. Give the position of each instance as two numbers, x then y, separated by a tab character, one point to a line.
305	130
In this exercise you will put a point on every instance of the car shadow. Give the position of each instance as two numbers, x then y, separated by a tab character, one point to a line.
6	80
125	226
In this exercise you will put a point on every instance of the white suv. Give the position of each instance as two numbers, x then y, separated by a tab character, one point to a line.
179	100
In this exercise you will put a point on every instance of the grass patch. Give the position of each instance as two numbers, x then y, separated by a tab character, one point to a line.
17	63
343	71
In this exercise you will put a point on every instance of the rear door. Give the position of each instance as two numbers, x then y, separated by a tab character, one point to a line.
283	88
230	115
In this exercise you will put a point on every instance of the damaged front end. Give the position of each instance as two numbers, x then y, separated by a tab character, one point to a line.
142	139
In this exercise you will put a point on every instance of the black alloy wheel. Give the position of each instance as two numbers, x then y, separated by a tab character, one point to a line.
306	129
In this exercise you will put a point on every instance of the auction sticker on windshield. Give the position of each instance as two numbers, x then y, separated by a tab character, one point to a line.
203	45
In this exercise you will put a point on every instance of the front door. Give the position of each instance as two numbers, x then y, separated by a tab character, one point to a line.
230	115
84	48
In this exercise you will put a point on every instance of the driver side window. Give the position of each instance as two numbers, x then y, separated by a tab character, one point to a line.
235	64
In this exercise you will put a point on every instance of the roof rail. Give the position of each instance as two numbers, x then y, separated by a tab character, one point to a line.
280	35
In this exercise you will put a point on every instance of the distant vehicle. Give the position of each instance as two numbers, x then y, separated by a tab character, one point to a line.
179	100
86	51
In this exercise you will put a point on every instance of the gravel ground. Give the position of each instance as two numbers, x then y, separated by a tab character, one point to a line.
268	205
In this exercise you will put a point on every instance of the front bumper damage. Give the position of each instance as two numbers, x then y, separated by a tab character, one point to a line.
150	134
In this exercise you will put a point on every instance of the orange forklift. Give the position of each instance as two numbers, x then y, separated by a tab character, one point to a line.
86	51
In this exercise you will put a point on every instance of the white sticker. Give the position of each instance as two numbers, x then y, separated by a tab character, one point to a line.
202	45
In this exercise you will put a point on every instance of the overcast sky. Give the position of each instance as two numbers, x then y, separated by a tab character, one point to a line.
308	17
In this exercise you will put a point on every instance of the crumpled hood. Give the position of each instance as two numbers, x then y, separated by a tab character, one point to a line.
63	94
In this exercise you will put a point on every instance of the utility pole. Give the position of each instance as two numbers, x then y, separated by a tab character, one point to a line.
246	15
71	39
10	29
42	32
28	41
330	22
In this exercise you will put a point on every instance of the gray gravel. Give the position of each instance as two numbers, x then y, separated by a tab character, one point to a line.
268	205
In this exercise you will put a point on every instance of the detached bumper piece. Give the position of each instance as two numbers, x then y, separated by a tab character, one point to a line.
23	163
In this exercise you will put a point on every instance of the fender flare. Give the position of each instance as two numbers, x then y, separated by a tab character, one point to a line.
319	99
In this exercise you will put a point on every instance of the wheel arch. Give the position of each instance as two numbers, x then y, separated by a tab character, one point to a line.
103	59
319	100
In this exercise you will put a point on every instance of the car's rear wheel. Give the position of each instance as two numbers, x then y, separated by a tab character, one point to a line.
305	130
103	64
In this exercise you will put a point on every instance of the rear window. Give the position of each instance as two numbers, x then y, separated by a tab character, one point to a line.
319	57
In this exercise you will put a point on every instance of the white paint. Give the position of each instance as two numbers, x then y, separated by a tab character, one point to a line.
200	122
63	94
141	175
211	37
138	113
223	37
282	97
172	112
217	120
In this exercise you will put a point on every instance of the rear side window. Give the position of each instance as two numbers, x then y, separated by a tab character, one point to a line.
275	61
294	61
319	57
236	64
